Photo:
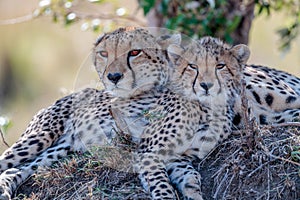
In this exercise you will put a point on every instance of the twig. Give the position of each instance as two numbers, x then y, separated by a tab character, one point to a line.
120	122
245	105
283	159
220	185
3	139
268	181
285	124
266	151
83	15
258	168
249	124
83	187
17	20
229	183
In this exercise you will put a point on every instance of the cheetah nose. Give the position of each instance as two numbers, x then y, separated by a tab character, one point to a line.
114	77
206	86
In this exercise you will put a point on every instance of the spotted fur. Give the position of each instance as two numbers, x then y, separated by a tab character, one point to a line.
273	95
206	88
84	119
186	116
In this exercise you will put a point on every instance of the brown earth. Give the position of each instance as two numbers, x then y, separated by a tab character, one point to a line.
263	163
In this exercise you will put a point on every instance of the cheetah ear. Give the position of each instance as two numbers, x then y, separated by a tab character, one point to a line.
175	52
241	52
166	40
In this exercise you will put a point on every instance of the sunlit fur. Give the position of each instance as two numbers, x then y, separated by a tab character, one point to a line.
148	69
202	118
210	62
88	118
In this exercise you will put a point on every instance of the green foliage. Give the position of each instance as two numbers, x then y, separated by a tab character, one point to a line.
291	8
146	5
69	12
217	17
197	18
295	154
5	124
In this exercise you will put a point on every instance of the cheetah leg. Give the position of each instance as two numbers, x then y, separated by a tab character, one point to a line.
272	117
289	115
43	131
13	177
265	116
184	176
154	177
30	144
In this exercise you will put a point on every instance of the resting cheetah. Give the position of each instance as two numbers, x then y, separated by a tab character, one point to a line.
83	119
273	95
190	131
211	73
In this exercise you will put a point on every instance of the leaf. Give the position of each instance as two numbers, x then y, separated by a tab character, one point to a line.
55	17
70	18
234	24
95	1
147	5
264	7
295	155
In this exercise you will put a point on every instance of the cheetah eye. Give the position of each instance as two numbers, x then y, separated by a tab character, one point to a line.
220	66
192	66
134	52
103	53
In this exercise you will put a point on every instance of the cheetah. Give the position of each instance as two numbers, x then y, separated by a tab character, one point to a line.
273	96
85	119
204	95
191	118
210	72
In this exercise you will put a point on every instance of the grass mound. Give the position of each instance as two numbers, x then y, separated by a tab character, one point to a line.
102	173
263	163
266	166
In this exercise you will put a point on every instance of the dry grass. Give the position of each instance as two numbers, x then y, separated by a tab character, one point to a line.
104	173
267	167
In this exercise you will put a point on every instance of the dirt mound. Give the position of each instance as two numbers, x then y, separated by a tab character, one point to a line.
260	164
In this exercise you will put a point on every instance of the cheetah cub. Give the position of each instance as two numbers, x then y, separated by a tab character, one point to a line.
206	83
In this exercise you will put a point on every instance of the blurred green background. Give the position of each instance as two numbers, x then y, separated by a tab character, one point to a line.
41	61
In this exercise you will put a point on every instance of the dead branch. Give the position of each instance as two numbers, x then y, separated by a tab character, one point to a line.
120	122
258	168
268	153
132	18
3	139
17	20
285	124
221	183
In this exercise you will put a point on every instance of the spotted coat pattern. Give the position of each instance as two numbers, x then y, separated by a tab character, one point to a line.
84	119
273	95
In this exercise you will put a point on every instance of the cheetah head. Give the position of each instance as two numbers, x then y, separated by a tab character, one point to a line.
208	68
130	61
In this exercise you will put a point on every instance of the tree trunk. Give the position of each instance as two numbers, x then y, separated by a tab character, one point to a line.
246	10
242	8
